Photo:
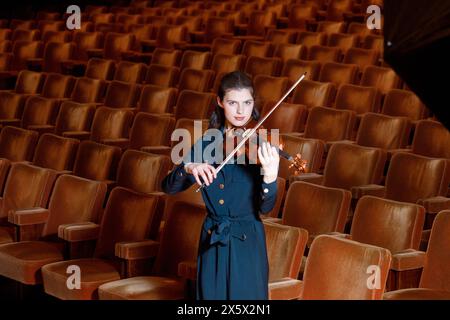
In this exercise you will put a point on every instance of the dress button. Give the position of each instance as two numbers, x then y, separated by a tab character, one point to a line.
221	186
266	190
221	201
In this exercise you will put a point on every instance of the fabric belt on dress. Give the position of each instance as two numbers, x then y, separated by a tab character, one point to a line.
221	230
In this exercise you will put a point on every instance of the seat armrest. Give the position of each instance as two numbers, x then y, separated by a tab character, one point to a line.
164	150
83	231
95	53
285	289
271	219
28	216
328	144
408	260
137	249
42	128
122	143
310	177
188	270
368	189
80	135
340	235
435	205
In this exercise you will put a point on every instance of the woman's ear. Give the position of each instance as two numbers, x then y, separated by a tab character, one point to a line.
219	102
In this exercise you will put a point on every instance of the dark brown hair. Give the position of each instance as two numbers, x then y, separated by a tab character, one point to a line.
232	80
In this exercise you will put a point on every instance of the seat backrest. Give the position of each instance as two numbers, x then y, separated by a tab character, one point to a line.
150	130
311	150
197	80
57	86
110	123
180	237
115	43
329	124
436	273
87	90
315	208
54	53
314	94
389	224
225	46
350	165
96	161
269	88
99	69
166	57
286	51
194	105
55	152
121	94
262	65
309	39
385	132
161	75
403	103
294	68
286	118
87	198
285	248
17	144
128	217
338	73
358	98
253	48
130	72
412	177
324	53
195	60
38	181
361	57
156	99
85	41
142	171
341	269
74	116
384	79
38	111
29	82
431	131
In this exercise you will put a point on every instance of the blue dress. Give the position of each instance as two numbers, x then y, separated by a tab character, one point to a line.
232	257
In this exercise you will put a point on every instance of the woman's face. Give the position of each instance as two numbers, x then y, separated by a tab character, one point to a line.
237	105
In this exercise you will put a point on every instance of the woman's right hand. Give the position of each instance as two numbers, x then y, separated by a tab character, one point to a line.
206	171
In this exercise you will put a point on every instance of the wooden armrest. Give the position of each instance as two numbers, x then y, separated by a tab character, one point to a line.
83	231
28	216
80	135
164	150
137	250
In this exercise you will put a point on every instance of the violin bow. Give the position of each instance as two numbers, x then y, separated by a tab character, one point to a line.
253	130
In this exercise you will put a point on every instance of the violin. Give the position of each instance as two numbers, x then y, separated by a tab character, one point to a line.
299	164
260	136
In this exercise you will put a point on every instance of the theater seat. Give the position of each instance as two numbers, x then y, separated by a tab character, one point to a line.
123	230
340	269
17	144
164	282
55	152
435	279
39	182
22	261
285	247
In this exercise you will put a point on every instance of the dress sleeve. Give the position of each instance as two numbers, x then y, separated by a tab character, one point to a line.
177	180
268	196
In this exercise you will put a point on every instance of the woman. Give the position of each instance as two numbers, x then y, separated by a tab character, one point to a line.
232	257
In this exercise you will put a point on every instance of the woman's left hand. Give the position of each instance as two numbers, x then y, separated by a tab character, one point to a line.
270	160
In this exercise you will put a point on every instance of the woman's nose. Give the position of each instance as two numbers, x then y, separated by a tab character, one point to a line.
239	109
